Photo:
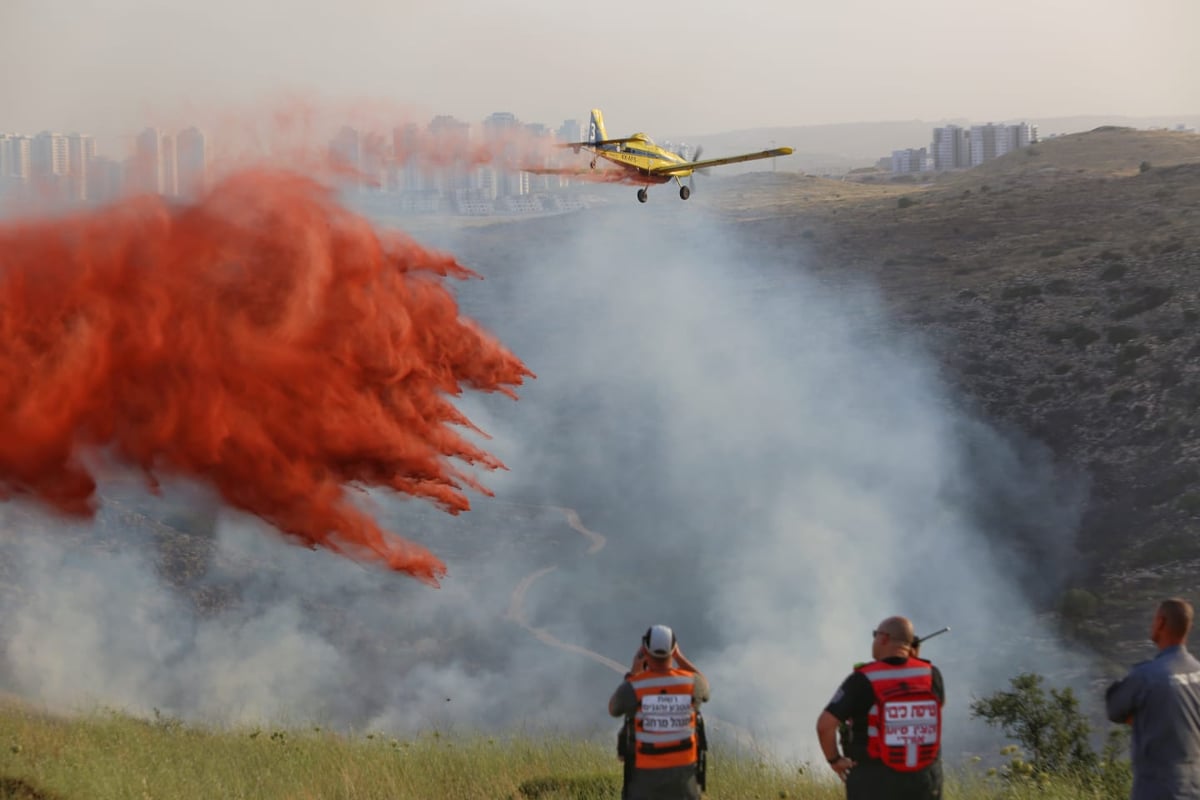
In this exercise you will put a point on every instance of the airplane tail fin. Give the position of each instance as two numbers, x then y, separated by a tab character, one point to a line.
596	127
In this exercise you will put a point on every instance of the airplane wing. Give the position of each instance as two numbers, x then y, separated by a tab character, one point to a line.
672	169
577	145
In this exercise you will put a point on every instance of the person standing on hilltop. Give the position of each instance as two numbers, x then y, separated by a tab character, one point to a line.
660	699
1160	698
893	705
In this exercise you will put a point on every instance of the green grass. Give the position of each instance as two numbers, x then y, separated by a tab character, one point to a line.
110	756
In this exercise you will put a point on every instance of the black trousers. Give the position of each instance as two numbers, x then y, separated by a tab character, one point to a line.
672	783
871	780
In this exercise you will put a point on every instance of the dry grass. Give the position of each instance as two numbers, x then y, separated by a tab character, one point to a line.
109	756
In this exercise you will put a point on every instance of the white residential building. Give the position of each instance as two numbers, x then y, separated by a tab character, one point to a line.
951	148
911	160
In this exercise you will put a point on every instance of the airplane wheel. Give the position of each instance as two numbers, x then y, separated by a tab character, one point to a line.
593	163
643	195
684	193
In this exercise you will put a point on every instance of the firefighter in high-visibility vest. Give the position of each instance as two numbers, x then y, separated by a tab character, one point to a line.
661	695
893	705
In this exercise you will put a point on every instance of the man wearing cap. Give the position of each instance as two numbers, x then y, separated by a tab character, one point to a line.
894	707
1160	698
662	692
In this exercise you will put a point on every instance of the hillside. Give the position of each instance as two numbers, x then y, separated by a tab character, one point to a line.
836	147
1060	287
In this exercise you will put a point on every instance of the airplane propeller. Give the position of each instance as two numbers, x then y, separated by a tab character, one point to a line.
691	178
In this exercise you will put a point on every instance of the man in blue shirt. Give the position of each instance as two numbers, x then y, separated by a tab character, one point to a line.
1160	698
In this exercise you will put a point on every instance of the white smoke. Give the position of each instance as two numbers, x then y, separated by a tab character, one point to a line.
776	466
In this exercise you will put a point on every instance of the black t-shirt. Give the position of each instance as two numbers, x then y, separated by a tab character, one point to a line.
854	699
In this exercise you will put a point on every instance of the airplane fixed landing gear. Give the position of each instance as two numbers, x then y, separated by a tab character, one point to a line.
684	193
643	195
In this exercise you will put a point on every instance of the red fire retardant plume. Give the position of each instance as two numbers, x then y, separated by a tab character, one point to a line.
264	341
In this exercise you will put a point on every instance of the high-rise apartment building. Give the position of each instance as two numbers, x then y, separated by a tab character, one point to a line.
570	131
191	159
951	148
145	167
81	149
170	167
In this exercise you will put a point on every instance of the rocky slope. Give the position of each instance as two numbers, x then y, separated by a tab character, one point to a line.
1060	287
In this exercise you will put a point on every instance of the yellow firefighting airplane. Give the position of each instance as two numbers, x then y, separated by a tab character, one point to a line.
647	163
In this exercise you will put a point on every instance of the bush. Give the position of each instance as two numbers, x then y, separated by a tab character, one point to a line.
1021	292
1114	272
1120	334
1051	729
1081	335
1078	604
905	202
1146	299
1055	737
1144	166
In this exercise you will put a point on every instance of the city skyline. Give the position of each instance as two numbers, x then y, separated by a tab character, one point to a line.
778	64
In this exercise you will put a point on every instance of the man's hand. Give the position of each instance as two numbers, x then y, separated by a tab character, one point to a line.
842	767
639	660
683	662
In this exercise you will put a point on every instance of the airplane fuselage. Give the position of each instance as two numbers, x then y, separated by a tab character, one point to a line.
641	155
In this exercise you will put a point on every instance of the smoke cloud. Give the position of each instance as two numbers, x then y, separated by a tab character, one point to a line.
773	463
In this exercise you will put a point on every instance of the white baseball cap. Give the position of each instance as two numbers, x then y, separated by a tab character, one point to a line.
659	641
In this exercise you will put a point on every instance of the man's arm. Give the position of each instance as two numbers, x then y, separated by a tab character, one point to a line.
623	701
854	696
683	662
827	731
700	689
1123	697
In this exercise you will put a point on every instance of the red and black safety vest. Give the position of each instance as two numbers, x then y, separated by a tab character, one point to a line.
904	727
665	721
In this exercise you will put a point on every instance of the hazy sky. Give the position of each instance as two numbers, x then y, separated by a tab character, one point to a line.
669	68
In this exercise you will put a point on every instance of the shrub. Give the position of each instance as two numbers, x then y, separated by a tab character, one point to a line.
1120	334
1190	503
1078	604
905	202
1050	728
1039	394
1021	292
1147	299
1055	737
1144	166
1114	272
1081	335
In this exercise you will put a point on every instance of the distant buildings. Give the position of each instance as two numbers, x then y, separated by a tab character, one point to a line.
911	160
447	165
955	147
992	141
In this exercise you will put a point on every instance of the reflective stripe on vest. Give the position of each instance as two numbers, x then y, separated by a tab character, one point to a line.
665	721
904	726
